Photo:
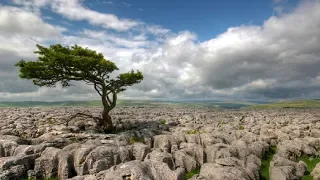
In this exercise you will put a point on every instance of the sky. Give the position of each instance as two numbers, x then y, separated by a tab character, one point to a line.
186	49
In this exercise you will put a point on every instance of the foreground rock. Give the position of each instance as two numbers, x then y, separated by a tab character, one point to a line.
157	143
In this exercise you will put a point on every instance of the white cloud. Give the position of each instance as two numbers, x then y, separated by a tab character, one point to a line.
18	21
118	40
279	59
74	10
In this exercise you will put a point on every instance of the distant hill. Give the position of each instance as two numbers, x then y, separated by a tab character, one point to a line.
290	104
213	104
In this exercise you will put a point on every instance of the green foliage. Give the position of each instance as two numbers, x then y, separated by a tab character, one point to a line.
192	173
265	164
163	121
64	64
135	139
241	127
311	164
192	132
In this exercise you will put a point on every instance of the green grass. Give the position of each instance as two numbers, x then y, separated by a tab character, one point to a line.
135	139
264	171
163	121
311	164
289	104
156	103
192	131
192	173
241	127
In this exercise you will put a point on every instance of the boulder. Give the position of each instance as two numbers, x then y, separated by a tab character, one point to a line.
104	157
220	151
301	168
183	160
316	172
140	151
46	165
219	172
164	142
7	148
138	170
16	139
14	167
282	173
165	157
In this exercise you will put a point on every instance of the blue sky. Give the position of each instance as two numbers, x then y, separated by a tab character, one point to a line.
207	18
222	50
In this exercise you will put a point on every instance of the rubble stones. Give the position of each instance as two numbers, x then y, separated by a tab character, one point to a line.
225	144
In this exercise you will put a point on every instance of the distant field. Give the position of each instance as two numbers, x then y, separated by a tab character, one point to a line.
290	104
212	104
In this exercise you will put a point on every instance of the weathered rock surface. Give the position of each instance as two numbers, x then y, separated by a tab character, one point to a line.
157	143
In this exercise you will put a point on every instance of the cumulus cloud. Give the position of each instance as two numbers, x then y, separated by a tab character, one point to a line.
247	61
18	21
279	59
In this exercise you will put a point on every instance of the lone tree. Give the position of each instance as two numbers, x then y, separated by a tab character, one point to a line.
65	64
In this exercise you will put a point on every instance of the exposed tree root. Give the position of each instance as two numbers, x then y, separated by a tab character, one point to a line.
98	119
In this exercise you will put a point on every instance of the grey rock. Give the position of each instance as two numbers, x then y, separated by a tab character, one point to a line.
282	173
137	170
218	172
183	160
301	168
140	151
7	148
316	172
46	165
165	157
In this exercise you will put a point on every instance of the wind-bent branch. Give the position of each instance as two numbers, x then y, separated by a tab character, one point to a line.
96	88
65	64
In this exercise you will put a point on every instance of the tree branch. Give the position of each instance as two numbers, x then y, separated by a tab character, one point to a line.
96	88
109	101
114	99
82	114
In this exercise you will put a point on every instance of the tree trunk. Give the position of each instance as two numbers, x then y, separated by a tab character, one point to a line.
106	121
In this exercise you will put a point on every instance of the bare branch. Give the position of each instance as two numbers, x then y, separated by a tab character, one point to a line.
85	115
109	101
96	88
114	98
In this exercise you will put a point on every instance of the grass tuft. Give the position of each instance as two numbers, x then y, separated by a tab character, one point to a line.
192	132
192	173
265	165
311	164
163	121
135	139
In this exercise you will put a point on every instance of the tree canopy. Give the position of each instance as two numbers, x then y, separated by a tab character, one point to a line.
64	64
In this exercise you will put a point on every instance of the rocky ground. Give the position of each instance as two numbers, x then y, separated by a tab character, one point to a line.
161	143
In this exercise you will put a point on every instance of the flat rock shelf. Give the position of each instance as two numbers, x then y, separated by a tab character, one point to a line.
160	143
